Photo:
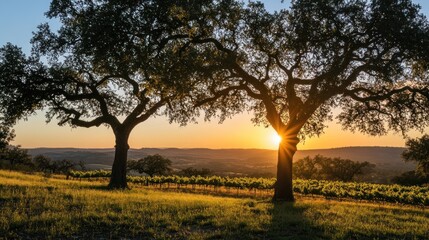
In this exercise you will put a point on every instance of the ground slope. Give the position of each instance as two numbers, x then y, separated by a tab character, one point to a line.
36	207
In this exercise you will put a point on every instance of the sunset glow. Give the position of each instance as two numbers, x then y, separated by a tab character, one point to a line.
238	132
276	139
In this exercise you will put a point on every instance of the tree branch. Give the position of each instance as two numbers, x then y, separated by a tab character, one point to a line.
149	112
383	95
218	94
75	120
134	84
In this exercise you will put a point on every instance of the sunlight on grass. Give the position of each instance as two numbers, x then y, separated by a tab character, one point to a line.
34	206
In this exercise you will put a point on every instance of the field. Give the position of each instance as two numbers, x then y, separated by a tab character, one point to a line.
38	207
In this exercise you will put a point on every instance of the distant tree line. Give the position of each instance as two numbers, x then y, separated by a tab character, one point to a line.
158	165
334	169
338	169
16	158
190	171
324	168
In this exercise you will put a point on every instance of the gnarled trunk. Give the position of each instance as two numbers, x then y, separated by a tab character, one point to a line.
283	190
118	179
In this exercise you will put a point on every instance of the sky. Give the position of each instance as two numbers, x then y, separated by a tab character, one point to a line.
19	18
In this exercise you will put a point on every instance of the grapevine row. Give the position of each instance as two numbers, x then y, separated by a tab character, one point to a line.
332	189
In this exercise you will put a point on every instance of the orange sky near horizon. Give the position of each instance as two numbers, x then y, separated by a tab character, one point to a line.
237	132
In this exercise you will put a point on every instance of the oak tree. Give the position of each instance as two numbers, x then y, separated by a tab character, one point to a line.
152	165
367	60
418	151
16	156
112	63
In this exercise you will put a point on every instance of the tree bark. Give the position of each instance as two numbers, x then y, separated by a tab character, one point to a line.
283	190
118	179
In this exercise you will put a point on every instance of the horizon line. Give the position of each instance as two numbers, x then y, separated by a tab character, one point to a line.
207	148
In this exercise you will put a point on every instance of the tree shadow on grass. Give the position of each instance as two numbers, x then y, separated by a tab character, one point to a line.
289	222
103	187
311	221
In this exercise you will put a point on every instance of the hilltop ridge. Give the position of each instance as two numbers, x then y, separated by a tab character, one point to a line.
234	161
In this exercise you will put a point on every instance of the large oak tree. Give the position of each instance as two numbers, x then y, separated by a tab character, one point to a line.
113	63
367	58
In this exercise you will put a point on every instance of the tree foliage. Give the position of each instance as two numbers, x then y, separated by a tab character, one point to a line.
47	165
325	168
6	135
368	59
411	178
418	151
113	63
151	165
354	55
15	156
43	163
63	166
111	59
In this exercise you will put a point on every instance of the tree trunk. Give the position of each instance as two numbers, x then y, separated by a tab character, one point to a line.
283	190
118	179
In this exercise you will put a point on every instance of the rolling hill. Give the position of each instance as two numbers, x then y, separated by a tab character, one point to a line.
256	162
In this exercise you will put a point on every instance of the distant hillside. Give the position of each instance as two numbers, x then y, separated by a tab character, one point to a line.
256	162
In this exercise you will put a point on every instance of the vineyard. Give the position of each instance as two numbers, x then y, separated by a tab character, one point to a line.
331	189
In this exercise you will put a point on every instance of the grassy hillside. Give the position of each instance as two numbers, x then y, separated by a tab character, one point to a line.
36	207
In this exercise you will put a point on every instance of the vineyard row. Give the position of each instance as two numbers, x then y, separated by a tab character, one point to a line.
360	191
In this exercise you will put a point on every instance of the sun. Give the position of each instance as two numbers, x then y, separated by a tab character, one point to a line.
275	139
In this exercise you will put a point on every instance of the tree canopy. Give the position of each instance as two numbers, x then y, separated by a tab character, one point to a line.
151	165
15	156
418	151
113	63
6	135
368	59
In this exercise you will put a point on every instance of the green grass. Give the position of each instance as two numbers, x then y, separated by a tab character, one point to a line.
35	207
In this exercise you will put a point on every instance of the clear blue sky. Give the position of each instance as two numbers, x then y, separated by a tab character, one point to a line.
19	18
